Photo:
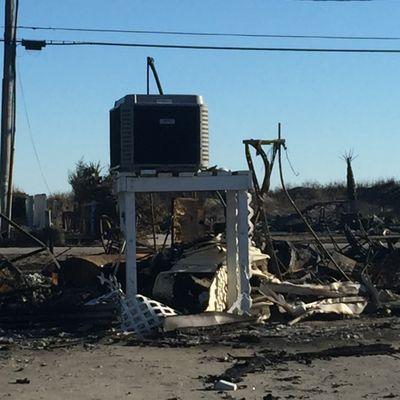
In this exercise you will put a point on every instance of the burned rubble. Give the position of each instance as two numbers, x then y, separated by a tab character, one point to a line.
191	277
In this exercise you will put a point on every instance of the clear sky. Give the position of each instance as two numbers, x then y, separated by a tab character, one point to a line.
327	103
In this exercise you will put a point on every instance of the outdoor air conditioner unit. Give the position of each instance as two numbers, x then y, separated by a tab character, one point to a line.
161	132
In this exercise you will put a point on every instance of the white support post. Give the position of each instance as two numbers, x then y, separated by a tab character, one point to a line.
243	244
128	222
231	247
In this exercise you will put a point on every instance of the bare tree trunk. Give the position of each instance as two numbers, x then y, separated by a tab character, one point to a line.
351	184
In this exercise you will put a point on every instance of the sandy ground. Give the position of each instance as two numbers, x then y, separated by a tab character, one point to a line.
109	369
115	372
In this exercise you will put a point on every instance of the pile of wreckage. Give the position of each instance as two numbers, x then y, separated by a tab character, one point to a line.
185	285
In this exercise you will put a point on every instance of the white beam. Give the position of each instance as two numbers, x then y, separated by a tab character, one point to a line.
183	183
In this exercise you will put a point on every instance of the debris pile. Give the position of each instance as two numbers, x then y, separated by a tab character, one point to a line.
190	281
360	274
17	288
185	284
34	299
266	359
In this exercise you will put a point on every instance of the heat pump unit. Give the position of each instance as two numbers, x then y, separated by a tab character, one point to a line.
161	132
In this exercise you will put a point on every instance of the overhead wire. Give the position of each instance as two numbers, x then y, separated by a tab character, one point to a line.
212	47
194	47
318	242
295	173
28	123
52	42
212	34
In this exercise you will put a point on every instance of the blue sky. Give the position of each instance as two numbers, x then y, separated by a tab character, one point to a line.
327	103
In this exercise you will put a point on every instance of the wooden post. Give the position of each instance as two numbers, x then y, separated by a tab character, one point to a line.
243	244
231	247
8	107
128	223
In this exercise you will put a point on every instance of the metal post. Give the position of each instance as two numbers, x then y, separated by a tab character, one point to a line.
150	63
8	107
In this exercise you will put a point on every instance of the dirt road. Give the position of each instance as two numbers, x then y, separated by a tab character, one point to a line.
110	369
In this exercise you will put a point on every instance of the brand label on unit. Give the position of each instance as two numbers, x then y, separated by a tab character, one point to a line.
167	121
164	101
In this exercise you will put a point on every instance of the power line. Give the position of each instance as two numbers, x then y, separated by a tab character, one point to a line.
215	34
227	48
204	47
28	123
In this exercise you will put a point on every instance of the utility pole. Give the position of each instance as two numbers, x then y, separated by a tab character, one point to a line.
8	109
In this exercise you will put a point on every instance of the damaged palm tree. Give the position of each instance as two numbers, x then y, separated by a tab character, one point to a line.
351	184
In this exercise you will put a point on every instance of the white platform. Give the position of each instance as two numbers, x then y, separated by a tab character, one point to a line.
236	184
